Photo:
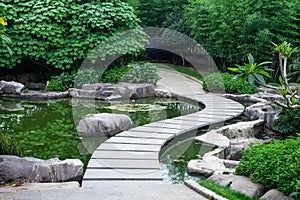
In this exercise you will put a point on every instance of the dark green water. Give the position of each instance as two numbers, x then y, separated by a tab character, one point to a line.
47	129
177	153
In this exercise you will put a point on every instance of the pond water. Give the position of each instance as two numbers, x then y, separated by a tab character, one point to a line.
178	152
47	129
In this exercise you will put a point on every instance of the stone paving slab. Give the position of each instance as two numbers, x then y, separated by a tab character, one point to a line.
122	174
129	147
145	135
125	155
132	140
192	123
156	130
164	124
123	164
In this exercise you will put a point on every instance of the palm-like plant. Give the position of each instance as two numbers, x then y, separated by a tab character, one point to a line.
252	71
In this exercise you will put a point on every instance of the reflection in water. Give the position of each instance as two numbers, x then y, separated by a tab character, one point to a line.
178	152
176	155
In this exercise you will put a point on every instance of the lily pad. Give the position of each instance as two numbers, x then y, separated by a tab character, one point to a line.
137	107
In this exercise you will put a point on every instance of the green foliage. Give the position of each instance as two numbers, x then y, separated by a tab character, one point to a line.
225	82
288	122
143	73
115	74
276	165
87	76
61	33
252	72
55	85
224	191
4	39
156	13
8	146
61	83
294	70
230	29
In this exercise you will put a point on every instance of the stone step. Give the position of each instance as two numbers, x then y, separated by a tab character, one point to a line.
123	164
129	140
122	174
129	147
150	135
106	154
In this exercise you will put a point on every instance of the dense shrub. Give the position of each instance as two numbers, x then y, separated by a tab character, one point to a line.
276	165
56	86
61	83
288	122
115	74
142	73
61	33
87	76
225	82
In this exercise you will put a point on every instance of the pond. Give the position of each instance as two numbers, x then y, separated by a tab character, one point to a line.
47	129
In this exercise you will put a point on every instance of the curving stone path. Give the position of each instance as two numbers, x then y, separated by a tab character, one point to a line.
127	166
128	163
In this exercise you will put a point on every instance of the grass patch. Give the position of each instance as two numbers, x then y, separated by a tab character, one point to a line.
190	71
224	191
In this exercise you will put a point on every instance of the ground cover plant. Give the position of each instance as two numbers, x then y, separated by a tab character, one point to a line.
275	164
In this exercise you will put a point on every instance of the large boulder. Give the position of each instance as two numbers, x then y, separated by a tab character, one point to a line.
275	195
207	166
109	91
240	184
11	87
13	168
242	129
237	145
264	111
103	124
213	138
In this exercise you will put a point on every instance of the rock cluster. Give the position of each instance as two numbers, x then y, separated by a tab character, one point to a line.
110	91
13	168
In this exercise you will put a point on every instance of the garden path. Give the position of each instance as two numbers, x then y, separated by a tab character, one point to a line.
127	166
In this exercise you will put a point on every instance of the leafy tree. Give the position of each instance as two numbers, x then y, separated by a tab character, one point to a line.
60	33
230	29
156	13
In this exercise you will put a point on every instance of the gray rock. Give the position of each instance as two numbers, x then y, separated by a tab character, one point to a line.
258	110
163	93
240	184
44	95
35	86
109	91
103	124
207	166
275	195
269	96
237	145
244	98
11	87
213	138
14	168
242	129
